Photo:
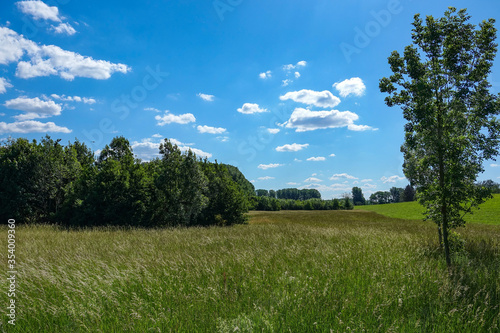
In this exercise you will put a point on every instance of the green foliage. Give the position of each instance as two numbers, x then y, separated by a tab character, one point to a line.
35	178
47	182
441	83
227	201
357	196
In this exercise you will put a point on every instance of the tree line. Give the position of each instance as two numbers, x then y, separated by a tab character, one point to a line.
48	182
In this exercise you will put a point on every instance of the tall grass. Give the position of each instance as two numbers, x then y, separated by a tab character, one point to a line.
302	271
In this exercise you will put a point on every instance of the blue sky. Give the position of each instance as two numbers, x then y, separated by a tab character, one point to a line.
285	90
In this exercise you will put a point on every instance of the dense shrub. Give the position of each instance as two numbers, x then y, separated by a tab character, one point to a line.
48	182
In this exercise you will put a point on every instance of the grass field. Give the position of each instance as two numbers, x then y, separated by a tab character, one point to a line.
302	271
488	213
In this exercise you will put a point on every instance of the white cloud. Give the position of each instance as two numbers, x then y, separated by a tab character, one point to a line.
353	86
265	75
292	183
290	67
292	147
366	180
78	99
391	179
148	149
322	99
152	109
316	159
210	130
297	75
39	10
4	84
157	136
493	165
332	155
31	126
223	138
64	29
265	178
369	186
34	108
269	166
169	118
251	108
273	130
342	176
206	97
312	180
306	120
46	60
286	82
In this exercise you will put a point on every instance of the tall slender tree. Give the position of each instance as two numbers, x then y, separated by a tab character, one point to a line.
441	83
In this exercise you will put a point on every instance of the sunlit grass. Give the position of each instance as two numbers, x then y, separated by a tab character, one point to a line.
488	212
301	271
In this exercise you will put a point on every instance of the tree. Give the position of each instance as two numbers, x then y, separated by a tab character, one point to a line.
357	196
441	83
262	193
409	193
396	194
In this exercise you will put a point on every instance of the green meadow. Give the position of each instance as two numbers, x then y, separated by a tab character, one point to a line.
488	212
287	271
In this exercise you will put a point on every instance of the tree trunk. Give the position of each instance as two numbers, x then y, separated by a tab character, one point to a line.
440	234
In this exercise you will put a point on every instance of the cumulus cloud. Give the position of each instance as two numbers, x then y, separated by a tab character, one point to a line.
353	86
64	29
316	159
38	10
273	130
312	180
342	176
32	126
391	179
206	97
34	107
251	108
148	149
292	147
78	99
322	99
265	75
291	67
211	130
332	155
265	178
4	84
306	120
169	118
46	60
269	166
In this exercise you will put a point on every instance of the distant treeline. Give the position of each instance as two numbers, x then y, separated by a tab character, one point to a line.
290	193
273	204
48	182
